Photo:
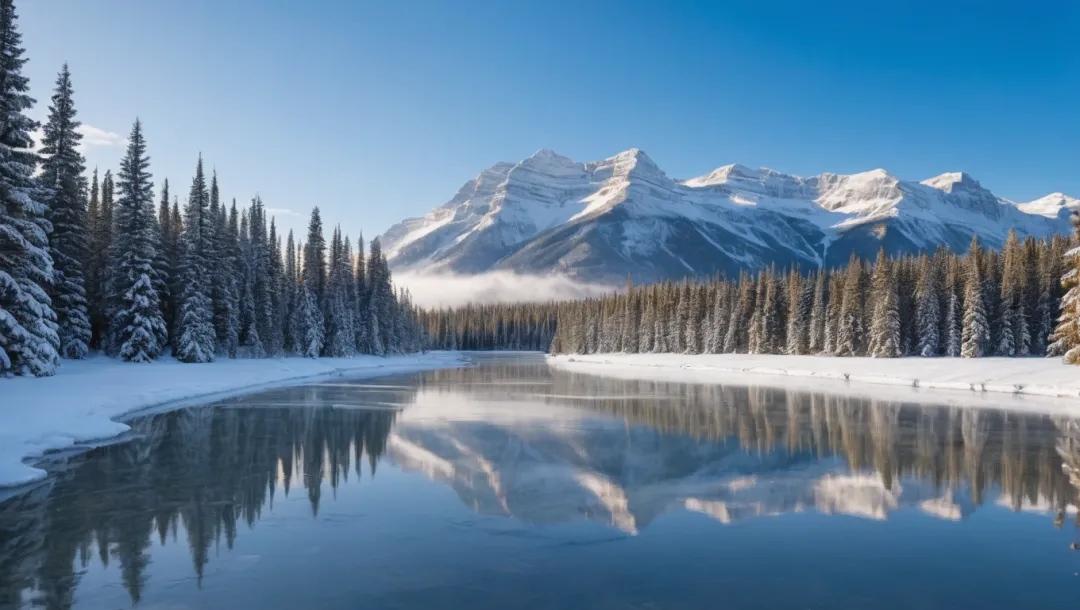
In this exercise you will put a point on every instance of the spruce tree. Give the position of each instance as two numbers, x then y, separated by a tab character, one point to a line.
1014	337
832	311
95	262
927	312
849	333
136	322
1066	336
884	337
976	329
290	295
63	187
195	327
28	337
361	324
314	273
954	310
817	314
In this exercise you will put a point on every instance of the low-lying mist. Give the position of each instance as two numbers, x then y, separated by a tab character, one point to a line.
449	290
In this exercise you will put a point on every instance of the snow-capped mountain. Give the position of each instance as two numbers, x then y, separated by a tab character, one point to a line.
602	220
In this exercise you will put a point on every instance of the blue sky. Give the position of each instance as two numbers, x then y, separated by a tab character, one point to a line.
379	110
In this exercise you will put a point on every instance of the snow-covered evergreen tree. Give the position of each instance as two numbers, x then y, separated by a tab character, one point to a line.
28	337
196	341
1066	337
136	323
1014	337
63	190
290	298
927	312
849	333
976	328
884	336
276	338
249	327
800	312
816	339
361	323
308	324
169	252
832	311
340	335
95	262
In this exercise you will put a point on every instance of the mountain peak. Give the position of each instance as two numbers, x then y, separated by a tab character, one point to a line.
951	181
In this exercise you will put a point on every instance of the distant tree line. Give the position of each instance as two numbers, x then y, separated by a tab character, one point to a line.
86	266
514	326
987	303
1021	301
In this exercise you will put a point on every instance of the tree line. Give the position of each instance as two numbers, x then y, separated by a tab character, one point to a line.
94	264
1021	301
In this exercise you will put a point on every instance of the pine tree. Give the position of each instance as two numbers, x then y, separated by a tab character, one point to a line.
1066	337
954	310
976	329
136	322
170	252
884	338
927	313
314	273
195	328
63	186
308	324
849	333
362	325
28	337
800	312
290	297
95	261
340	336
276	340
1014	337
832	311
817	314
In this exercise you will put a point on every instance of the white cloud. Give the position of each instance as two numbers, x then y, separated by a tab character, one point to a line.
283	212
93	137
448	290
97	137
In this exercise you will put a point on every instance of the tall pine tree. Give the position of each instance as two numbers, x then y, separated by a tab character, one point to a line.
64	186
28	337
136	324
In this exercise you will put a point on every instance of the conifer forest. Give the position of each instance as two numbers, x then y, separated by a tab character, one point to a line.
1021	301
100	261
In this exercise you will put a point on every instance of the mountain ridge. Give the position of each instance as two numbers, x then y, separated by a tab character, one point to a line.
601	220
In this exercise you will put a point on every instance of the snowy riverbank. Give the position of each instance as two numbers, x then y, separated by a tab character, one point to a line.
80	403
1043	384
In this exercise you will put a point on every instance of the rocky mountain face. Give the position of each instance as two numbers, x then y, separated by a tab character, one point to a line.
602	220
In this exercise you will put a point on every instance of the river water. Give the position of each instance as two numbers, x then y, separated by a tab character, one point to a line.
511	485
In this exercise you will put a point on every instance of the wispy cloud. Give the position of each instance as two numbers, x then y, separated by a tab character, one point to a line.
283	212
93	137
448	290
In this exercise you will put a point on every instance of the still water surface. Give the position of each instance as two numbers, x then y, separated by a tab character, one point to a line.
509	485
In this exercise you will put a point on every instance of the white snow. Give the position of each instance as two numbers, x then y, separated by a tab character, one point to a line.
1040	384
81	403
488	221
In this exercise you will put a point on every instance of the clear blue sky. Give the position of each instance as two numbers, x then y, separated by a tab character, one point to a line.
379	110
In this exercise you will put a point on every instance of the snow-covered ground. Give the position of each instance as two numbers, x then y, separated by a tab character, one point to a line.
81	403
1043	384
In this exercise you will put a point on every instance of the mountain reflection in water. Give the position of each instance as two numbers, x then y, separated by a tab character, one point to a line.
521	440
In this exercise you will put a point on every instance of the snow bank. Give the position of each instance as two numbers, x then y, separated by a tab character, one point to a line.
81	402
1043	384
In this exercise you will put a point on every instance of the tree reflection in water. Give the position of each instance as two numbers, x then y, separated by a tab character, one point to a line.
198	474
